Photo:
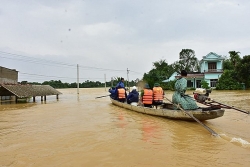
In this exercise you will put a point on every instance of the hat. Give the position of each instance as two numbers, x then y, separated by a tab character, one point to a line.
134	88
156	84
146	86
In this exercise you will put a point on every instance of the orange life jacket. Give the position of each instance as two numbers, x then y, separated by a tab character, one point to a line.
121	93
147	96
158	94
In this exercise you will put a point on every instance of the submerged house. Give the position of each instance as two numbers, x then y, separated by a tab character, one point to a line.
8	76
12	91
210	71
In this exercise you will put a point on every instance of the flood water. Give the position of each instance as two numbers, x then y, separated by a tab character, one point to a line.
84	132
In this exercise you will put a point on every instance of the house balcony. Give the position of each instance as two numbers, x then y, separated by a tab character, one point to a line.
213	71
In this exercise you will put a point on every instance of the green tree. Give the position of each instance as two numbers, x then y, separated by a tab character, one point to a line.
227	65
234	58
187	61
243	70
161	70
204	84
228	81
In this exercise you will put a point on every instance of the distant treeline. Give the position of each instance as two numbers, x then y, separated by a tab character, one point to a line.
236	73
86	84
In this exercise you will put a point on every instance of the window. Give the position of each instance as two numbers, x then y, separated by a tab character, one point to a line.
198	84
213	82
189	84
212	65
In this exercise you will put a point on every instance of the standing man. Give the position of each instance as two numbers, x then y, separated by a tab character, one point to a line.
121	91
121	83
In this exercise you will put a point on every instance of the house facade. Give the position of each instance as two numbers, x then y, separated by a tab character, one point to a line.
8	76
211	67
210	71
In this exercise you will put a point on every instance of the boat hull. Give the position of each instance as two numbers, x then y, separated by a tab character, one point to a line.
172	113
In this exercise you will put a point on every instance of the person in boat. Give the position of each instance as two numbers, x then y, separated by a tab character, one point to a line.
147	96
133	96
121	83
158	95
121	94
179	97
113	93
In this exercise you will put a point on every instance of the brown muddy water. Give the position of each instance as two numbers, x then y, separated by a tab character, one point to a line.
84	132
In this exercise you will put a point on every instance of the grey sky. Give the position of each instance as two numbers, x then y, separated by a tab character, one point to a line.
109	36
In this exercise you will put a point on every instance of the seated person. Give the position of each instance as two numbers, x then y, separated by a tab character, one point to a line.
112	92
147	96
133	96
158	95
121	94
179	97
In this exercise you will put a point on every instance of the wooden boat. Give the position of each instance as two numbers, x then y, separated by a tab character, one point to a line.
167	110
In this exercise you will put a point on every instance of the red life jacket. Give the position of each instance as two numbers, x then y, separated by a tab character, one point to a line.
147	96
158	94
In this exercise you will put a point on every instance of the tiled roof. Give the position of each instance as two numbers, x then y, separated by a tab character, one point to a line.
28	90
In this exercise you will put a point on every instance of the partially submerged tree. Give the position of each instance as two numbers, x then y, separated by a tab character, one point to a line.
243	70
160	71
187	61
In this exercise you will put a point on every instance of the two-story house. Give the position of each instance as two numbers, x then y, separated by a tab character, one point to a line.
210	71
211	67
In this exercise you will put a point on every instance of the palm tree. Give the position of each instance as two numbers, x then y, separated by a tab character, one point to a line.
234	58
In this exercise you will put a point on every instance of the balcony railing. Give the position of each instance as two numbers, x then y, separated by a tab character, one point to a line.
213	71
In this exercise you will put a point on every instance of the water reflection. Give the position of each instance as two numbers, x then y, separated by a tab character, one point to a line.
150	130
61	133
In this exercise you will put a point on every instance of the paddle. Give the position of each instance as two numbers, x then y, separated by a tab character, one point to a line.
190	115
101	96
246	112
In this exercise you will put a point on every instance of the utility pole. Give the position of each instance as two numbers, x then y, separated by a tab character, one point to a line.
128	80
77	79
105	81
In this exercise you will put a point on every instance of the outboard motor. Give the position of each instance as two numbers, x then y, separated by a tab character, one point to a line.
201	95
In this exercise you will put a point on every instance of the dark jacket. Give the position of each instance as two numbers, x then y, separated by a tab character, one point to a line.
113	93
133	97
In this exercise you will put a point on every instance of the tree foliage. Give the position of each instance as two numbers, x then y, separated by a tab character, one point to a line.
161	70
187	61
236	72
228	81
234	58
242	70
227	65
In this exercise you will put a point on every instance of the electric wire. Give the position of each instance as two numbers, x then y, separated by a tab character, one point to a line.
28	59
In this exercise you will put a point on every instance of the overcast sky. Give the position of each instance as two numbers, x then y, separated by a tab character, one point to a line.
45	39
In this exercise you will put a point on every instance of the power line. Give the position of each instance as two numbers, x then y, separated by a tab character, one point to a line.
28	59
39	75
43	61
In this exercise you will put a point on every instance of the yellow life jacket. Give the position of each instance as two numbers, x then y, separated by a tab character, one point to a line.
147	96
